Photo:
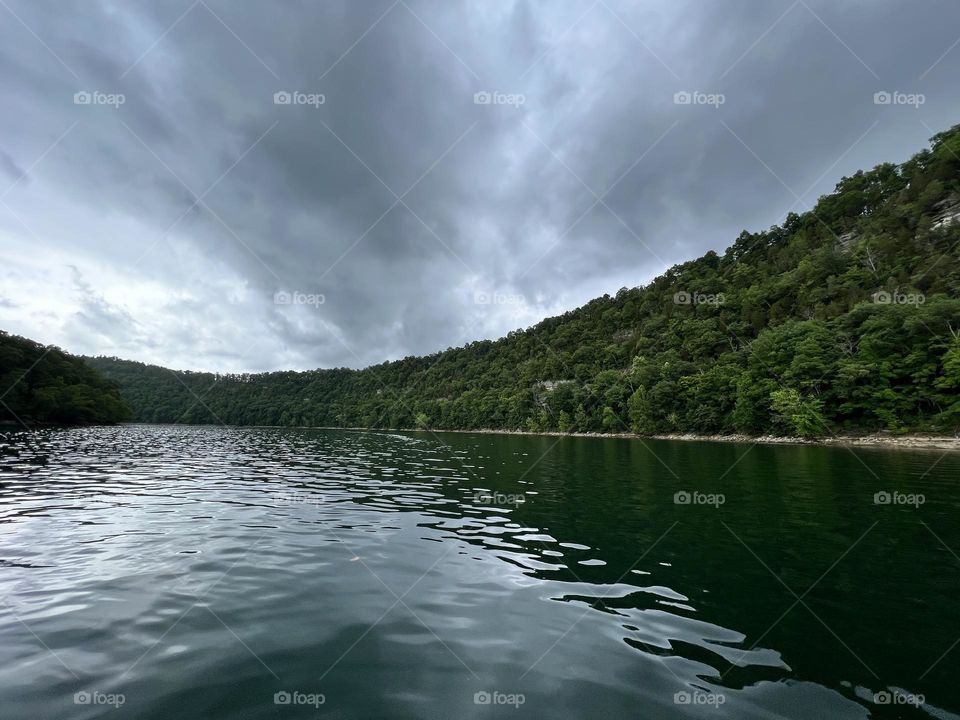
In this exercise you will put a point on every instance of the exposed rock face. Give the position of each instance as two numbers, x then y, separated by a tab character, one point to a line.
949	213
846	240
548	385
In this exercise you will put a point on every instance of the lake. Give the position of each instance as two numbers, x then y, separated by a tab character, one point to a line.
194	572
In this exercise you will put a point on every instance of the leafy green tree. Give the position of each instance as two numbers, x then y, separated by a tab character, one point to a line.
804	413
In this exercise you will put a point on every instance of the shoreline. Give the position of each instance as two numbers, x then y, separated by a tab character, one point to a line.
908	441
881	440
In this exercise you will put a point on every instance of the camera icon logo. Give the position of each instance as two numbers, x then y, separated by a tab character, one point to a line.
482	98
481	698
682	698
882	498
282	297
82	98
882	98
682	497
81	698
682	298
282	98
682	98
282	698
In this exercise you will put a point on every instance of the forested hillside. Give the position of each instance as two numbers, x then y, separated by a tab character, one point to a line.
40	384
843	319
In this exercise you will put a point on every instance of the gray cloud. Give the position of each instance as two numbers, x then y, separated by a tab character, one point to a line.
398	198
10	168
96	318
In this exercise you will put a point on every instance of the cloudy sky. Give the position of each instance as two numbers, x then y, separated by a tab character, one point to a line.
266	184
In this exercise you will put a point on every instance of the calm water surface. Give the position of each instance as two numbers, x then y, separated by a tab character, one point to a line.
176	572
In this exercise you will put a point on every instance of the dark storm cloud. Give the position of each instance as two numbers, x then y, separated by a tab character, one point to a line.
421	218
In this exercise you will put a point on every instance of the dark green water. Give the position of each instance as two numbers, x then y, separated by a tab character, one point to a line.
172	572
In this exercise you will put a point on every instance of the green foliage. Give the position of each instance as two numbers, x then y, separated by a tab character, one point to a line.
44	385
804	413
844	319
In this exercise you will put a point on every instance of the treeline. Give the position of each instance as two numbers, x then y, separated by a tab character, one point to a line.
44	385
843	319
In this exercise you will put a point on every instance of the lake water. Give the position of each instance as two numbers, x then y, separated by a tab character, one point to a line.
178	572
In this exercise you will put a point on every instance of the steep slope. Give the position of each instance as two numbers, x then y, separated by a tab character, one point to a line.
844	318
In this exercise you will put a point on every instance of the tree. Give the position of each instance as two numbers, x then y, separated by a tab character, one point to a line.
804	413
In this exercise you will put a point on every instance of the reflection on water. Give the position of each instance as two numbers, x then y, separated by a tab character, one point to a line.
158	572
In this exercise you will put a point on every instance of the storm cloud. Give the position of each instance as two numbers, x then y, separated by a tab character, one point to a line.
246	186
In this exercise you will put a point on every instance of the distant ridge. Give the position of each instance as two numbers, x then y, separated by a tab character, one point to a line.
44	385
844	318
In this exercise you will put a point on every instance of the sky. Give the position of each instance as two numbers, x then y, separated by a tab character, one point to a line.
289	184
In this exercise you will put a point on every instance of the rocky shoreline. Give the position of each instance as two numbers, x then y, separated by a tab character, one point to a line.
879	440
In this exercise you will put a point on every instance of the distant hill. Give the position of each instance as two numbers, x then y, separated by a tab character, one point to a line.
44	385
843	319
